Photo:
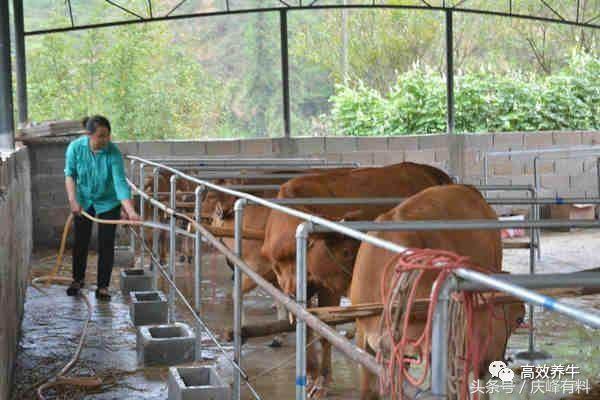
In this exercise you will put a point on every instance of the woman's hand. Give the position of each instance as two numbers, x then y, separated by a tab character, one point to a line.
75	207
133	216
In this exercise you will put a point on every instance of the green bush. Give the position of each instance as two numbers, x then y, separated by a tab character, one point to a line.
484	102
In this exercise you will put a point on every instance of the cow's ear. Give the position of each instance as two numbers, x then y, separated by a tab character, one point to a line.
355	215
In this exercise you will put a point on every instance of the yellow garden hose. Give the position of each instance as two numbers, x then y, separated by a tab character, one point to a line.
61	378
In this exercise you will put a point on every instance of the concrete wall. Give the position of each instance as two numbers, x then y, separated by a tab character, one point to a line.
462	153
15	253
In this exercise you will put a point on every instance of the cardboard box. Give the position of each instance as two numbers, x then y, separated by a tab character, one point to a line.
571	212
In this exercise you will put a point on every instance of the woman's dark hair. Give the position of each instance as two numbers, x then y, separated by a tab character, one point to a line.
92	123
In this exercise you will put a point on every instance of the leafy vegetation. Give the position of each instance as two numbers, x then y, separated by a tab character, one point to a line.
485	101
221	76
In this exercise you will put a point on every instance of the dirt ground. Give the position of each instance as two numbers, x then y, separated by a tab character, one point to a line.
53	322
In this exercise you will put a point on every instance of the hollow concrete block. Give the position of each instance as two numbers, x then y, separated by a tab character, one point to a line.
196	383
148	308
165	344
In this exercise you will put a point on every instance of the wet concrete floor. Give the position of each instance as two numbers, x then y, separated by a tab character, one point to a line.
53	322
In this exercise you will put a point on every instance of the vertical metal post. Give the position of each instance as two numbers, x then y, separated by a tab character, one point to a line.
7	123
131	229
439	339
285	73
301	249
345	42
21	61
155	232
198	268
485	169
238	209
142	216
449	73
198	249
172	243
537	186
598	174
532	353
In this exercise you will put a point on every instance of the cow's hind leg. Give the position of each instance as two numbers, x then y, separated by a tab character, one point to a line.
367	379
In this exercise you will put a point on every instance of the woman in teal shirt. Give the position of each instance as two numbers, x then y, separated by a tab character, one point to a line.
95	181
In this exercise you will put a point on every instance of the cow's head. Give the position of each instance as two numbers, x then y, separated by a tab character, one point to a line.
330	257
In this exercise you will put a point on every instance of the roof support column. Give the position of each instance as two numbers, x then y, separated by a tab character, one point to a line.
7	138
456	143
449	73
21	63
285	73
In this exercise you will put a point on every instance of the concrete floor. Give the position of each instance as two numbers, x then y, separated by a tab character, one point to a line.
53	322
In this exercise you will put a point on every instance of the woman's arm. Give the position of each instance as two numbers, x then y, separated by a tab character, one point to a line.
71	194
121	186
127	205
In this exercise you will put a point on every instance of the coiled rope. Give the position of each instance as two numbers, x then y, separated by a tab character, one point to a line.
397	351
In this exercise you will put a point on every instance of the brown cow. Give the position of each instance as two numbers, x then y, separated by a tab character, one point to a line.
453	202
255	218
330	261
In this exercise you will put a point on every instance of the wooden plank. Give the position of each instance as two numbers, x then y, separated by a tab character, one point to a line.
339	315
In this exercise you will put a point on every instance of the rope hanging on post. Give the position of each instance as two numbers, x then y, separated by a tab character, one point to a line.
397	350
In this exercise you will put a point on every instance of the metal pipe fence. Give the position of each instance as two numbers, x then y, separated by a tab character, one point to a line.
317	223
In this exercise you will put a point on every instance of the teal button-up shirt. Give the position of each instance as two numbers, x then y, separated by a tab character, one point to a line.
99	176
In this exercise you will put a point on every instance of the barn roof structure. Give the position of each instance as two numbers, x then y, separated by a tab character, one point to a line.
77	15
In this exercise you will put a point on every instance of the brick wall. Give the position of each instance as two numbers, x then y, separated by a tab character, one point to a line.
576	177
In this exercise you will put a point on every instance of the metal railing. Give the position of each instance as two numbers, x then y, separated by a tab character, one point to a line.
298	308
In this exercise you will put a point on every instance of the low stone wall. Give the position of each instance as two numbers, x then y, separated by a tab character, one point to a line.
15	252
461	154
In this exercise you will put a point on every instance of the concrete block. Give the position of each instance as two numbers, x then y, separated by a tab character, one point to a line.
504	141
49	181
135	280
365	158
442	155
498	180
188	148
421	156
148	308
505	167
472	180
394	157
196	383
566	139
592	138
584	183
52	167
154	148
522	180
543	166
334	157
340	144
165	344
49	151
379	157
590	165
222	147
256	146
479	141
130	148
558	183
372	143
536	140
426	142
310	145
403	143
569	166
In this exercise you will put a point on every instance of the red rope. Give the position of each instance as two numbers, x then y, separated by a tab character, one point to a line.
420	261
